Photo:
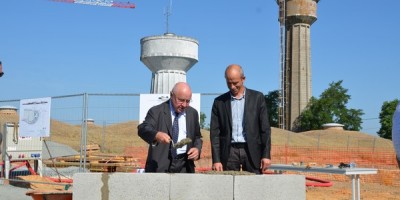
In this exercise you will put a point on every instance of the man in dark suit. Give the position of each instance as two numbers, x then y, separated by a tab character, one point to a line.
240	133
158	130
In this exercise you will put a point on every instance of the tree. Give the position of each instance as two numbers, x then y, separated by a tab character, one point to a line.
329	108
308	120
202	120
272	100
385	118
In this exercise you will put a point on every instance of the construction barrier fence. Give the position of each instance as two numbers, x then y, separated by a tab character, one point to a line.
98	133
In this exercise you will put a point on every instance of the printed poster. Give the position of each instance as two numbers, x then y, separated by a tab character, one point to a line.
34	117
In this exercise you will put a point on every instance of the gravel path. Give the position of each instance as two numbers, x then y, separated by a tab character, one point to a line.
11	192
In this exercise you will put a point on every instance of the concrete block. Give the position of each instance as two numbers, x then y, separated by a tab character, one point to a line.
162	186
121	186
201	187
276	187
149	186
87	186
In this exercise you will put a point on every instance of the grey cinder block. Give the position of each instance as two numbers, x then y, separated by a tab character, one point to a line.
162	186
201	187
121	186
274	187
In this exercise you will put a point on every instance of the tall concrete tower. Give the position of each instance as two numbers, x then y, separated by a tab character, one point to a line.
168	57
296	16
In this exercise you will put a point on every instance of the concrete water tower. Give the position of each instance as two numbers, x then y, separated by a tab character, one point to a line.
168	57
296	17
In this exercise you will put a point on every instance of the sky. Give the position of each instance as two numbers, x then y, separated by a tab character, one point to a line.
50	48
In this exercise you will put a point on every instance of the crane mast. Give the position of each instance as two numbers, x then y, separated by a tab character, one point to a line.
282	93
107	3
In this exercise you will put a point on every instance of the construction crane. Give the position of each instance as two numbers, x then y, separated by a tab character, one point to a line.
107	3
1	70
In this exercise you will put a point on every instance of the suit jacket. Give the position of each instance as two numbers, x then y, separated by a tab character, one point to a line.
256	126
158	118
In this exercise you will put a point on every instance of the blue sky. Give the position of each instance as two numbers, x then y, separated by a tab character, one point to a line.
50	49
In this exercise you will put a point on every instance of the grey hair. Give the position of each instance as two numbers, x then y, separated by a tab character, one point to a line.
235	65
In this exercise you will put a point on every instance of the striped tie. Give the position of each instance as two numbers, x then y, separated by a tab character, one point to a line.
175	134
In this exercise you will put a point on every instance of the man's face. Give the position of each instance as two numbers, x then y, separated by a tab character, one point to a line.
181	100
235	83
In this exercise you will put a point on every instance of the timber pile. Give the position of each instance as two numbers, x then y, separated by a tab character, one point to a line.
98	162
36	182
92	148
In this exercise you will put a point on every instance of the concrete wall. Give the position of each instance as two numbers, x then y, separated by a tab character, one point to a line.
160	186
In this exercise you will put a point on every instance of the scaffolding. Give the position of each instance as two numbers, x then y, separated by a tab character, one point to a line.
282	93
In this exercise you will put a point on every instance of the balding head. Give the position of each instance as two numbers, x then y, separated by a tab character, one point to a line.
181	87
235	78
181	96
234	69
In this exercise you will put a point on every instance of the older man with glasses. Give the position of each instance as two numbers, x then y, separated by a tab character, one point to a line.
166	124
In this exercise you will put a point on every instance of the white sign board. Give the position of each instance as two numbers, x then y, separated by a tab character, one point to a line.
149	100
34	118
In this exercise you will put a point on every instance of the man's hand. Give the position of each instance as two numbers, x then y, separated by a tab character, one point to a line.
193	154
217	167
265	164
162	137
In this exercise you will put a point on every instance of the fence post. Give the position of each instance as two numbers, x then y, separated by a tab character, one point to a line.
319	136
82	163
286	148
103	137
286	154
373	151
373	146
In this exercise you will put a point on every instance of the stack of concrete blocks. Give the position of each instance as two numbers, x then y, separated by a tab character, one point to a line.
163	186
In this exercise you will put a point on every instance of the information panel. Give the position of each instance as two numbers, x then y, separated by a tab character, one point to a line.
34	118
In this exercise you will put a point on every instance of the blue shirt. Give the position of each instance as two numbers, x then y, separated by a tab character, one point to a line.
237	108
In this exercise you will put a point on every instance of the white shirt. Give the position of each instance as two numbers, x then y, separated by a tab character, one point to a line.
182	127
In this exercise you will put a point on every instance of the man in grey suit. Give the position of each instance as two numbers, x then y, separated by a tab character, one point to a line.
240	133
158	130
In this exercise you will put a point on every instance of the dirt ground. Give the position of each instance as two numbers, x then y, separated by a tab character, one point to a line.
342	191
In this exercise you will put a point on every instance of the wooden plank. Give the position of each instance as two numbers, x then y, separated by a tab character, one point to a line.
61	164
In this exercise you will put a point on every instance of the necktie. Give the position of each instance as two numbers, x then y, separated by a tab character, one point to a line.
175	134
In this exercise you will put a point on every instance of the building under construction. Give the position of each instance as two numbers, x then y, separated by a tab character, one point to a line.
296	18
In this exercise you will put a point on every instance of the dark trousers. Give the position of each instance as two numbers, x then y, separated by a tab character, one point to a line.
239	160
179	164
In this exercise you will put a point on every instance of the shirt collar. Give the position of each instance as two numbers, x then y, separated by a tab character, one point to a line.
240	98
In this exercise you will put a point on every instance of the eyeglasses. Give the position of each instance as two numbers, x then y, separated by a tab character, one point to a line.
180	100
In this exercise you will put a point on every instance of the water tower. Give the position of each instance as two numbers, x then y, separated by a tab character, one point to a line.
168	57
296	18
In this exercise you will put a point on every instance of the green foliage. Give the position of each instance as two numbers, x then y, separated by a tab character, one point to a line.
203	120
385	118
329	108
272	100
